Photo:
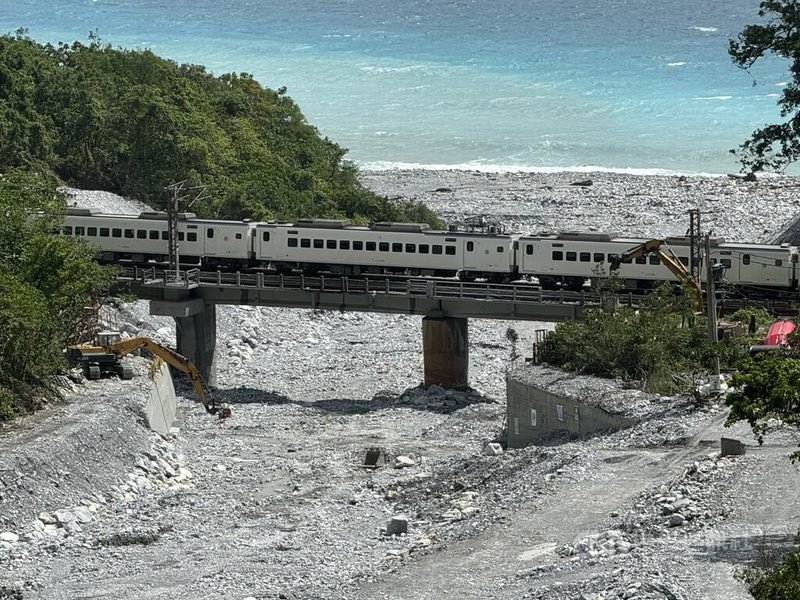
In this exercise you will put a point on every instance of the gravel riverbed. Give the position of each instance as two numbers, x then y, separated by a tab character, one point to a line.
273	502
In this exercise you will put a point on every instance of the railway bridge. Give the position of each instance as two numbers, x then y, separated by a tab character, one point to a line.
191	297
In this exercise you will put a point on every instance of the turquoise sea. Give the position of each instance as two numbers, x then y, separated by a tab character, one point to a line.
627	85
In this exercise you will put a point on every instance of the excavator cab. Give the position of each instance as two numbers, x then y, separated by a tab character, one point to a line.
98	359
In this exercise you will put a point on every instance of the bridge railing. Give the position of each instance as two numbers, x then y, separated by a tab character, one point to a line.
429	288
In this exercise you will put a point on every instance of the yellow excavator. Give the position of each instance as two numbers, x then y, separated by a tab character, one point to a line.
670	261
105	357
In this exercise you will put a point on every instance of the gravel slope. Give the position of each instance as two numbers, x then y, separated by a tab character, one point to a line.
273	502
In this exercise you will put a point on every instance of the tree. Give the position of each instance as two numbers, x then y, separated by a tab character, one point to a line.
45	281
133	123
777	145
768	385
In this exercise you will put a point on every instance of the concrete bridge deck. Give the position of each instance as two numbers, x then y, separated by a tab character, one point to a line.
446	304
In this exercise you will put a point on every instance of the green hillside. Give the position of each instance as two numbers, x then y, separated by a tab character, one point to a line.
130	122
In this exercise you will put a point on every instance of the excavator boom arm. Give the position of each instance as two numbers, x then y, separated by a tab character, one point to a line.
670	261
172	358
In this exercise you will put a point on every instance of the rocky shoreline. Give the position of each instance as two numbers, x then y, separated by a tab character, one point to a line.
635	205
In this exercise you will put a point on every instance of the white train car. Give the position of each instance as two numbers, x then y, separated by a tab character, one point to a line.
413	248
572	258
758	265
143	238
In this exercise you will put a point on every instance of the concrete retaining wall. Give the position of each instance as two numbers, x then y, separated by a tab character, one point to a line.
534	413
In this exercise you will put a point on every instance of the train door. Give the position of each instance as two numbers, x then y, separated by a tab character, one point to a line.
210	241
264	242
471	252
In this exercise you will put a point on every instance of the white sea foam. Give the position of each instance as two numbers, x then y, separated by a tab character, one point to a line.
713	97
494	168
676	64
705	29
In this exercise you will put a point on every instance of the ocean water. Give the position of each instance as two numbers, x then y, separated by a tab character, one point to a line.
629	85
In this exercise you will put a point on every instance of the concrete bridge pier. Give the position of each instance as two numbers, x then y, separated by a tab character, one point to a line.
196	332
445	344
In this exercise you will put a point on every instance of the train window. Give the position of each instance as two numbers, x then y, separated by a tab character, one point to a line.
141	234
154	234
265	237
344	244
411	248
778	262
599	257
80	231
292	242
330	244
585	256
572	256
500	249
319	244
745	259
641	260
129	233
358	245
67	230
210	232
104	232
383	246
371	246
470	246
424	249
684	260
654	260
529	249
436	249
726	262
451	250
92	231
116	232
558	255
191	236
165	235
397	247
305	243
180	236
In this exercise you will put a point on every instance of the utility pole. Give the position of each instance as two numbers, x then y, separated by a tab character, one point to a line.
695	252
179	193
711	299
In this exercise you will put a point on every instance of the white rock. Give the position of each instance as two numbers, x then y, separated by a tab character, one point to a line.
10	537
47	518
493	449
82	514
677	519
403	461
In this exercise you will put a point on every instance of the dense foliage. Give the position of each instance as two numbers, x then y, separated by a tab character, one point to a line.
767	385
45	282
661	344
781	582
130	122
777	145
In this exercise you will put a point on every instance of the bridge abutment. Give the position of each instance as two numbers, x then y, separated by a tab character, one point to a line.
196	332
445	344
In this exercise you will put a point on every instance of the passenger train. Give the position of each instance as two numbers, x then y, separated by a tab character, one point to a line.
312	246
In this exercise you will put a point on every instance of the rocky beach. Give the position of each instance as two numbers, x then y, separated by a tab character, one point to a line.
274	502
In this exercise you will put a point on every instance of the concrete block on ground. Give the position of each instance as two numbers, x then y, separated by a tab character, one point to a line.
731	447
162	405
396	525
